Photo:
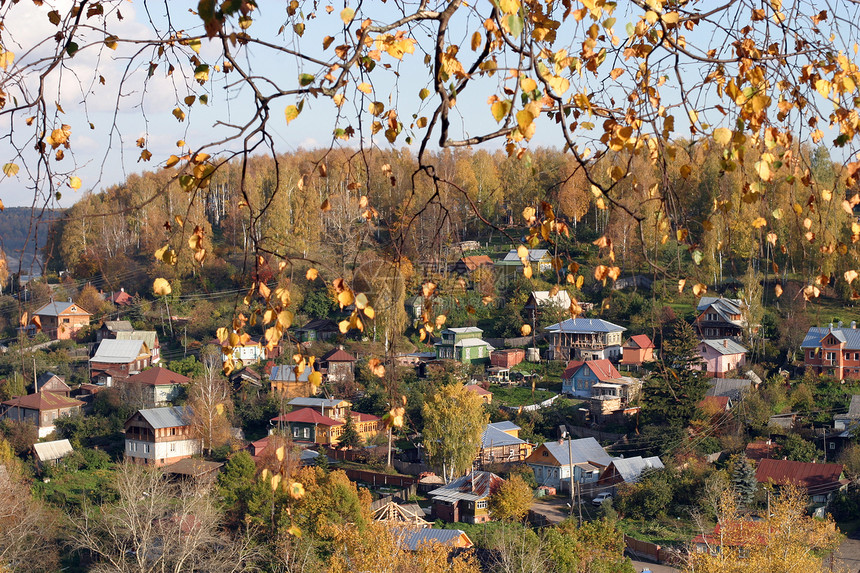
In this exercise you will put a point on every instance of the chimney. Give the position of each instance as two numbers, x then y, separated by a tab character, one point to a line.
725	343
840	324
853	325
121	289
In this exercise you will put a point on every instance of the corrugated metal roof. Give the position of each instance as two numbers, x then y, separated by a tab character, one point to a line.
464	330
118	325
414	538
118	351
55	450
561	298
494	437
150	337
822	477
472	342
159	376
287	373
725	346
43	401
505	426
318	402
723	306
728	387
169	417
337	355
630	469
534	256
57	308
465	488
583	450
816	333
639	341
854	407
584	326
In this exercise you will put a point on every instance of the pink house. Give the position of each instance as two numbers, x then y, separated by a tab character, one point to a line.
721	356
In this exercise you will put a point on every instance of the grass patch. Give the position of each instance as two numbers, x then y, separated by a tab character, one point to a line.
662	531
518	395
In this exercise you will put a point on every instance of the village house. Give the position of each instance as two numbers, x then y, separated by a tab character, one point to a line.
246	382
160	436
720	318
627	470
584	339
485	395
338	367
116	360
288	383
465	499
150	337
317	329
720	357
49	454
511	266
821	481
110	328
589	378
39	409
501	446
731	388
62	320
120	298
542	301
468	265
637	351
308	426
50	382
464	345
415	539
833	351
847	420
250	352
551	462
159	386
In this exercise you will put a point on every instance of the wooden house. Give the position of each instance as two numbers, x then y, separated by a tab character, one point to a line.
338	367
116	360
720	318
50	453
161	436
465	499
507	357
308	426
584	339
289	383
110	328
485	395
150	337
50	382
317	329
464	345
62	320
511	266
552	462
468	265
822	481
160	386
501	445
545	301
39	409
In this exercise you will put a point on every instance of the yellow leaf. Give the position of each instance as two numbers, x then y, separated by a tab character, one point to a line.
699	289
759	222
315	378
763	170
777	289
291	112
681	284
160	287
312	274
694	116
326	206
670	18
527	271
6	58
823	87
500	109
722	135
364	87
476	42
369	312
279	453
285	318
525	329
347	15
10	169
528	84
75	182
850	276
376	107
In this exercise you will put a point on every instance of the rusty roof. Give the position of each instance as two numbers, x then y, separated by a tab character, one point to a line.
43	401
818	478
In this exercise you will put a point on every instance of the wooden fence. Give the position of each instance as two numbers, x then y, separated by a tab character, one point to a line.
652	551
376	479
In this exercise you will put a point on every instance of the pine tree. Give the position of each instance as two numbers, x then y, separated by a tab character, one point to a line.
671	396
743	480
350	437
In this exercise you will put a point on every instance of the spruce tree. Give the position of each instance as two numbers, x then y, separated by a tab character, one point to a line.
744	482
350	437
672	394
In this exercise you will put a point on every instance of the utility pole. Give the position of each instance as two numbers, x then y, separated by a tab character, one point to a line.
570	459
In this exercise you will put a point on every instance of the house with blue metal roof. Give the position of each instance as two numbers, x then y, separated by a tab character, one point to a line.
833	351
584	339
502	446
552	462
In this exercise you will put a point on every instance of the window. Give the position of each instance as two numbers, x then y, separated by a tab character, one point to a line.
172	447
65	321
545	454
482	504
306	432
832	446
146	448
831	356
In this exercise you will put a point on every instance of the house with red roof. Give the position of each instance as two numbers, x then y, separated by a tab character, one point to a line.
485	395
308	426
338	367
637	350
580	376
159	386
39	409
468	265
820	481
